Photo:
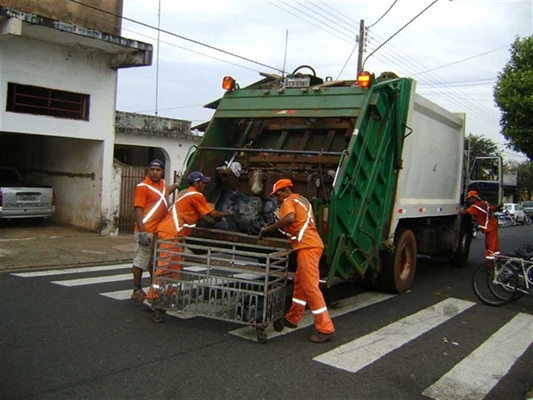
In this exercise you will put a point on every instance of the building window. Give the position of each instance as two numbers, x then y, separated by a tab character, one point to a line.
27	99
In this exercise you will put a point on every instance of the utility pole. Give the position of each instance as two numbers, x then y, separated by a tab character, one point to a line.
362	40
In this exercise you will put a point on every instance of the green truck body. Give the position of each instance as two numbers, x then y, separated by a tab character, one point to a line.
382	166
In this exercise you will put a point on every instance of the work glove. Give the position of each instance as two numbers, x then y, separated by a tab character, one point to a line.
144	239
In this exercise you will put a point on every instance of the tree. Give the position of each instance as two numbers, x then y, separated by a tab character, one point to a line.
480	146
513	94
525	180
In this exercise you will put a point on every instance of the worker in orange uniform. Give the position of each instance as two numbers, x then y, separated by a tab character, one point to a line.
296	218
182	217
150	207
483	212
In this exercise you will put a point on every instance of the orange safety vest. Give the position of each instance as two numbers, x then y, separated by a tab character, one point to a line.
302	233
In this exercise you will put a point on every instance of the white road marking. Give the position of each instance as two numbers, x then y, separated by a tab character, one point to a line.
342	307
16	239
71	271
478	373
121	294
363	351
92	281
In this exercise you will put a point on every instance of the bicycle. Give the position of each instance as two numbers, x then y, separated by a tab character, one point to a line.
504	280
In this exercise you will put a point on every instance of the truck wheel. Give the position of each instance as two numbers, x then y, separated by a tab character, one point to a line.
460	257
398	268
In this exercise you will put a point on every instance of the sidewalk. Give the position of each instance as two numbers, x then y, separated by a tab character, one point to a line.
26	246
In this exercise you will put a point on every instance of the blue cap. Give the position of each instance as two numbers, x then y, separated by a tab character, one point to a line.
157	163
197	176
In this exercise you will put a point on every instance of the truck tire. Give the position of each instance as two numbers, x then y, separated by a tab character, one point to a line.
460	257
398	268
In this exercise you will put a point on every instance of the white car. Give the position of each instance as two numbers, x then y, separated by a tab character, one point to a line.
517	213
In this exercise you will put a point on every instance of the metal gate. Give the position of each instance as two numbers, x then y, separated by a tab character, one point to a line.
130	177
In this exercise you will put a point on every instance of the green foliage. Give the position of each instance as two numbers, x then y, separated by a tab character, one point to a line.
513	94
480	146
525	180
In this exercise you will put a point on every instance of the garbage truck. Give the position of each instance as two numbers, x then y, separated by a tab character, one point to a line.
382	165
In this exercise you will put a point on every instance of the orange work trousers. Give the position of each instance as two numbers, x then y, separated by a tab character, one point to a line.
166	261
307	291
492	244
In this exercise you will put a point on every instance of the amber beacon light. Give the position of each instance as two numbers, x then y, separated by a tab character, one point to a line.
228	83
363	79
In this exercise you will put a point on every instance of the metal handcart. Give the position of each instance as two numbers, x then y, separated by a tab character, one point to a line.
234	282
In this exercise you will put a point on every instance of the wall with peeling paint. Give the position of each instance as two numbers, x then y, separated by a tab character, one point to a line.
172	136
67	11
74	156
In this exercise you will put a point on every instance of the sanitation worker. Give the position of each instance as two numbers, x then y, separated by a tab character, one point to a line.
483	212
150	207
296	218
182	217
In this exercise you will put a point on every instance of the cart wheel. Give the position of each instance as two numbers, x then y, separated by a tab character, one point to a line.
158	315
261	336
278	325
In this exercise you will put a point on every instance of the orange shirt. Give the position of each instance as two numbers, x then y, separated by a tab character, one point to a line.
151	197
483	212
182	217
302	232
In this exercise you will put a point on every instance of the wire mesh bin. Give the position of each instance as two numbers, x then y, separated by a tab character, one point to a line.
234	282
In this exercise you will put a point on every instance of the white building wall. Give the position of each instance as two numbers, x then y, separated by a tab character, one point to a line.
175	149
37	63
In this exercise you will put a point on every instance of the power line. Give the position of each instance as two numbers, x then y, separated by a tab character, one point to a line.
298	15
460	61
178	36
399	30
386	12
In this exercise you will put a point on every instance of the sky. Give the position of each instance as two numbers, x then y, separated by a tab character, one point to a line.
453	49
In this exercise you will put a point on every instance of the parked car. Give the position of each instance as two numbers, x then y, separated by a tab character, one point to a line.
527	206
19	199
517	213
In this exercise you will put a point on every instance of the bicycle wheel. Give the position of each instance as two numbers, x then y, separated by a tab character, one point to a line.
495	285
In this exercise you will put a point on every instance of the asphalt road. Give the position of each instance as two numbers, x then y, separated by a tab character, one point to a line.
60	341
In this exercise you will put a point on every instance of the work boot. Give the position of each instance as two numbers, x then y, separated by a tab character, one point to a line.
138	295
319	337
289	324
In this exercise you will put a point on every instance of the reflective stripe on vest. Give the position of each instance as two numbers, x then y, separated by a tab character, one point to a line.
306	224
156	206
175	213
487	215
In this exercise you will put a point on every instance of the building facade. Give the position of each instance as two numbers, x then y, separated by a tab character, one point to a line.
58	82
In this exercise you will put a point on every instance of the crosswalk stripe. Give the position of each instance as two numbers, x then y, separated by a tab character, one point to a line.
121	294
363	351
342	307
478	373
92	281
71	271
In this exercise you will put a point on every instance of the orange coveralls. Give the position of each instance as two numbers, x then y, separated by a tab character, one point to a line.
306	242
152	197
180	221
483	212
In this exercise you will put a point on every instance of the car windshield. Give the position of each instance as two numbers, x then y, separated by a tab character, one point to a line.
508	207
527	204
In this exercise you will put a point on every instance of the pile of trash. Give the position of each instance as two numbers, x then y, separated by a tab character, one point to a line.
250	213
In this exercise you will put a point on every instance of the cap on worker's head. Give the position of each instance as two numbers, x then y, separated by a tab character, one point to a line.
197	176
282	183
157	163
472	193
